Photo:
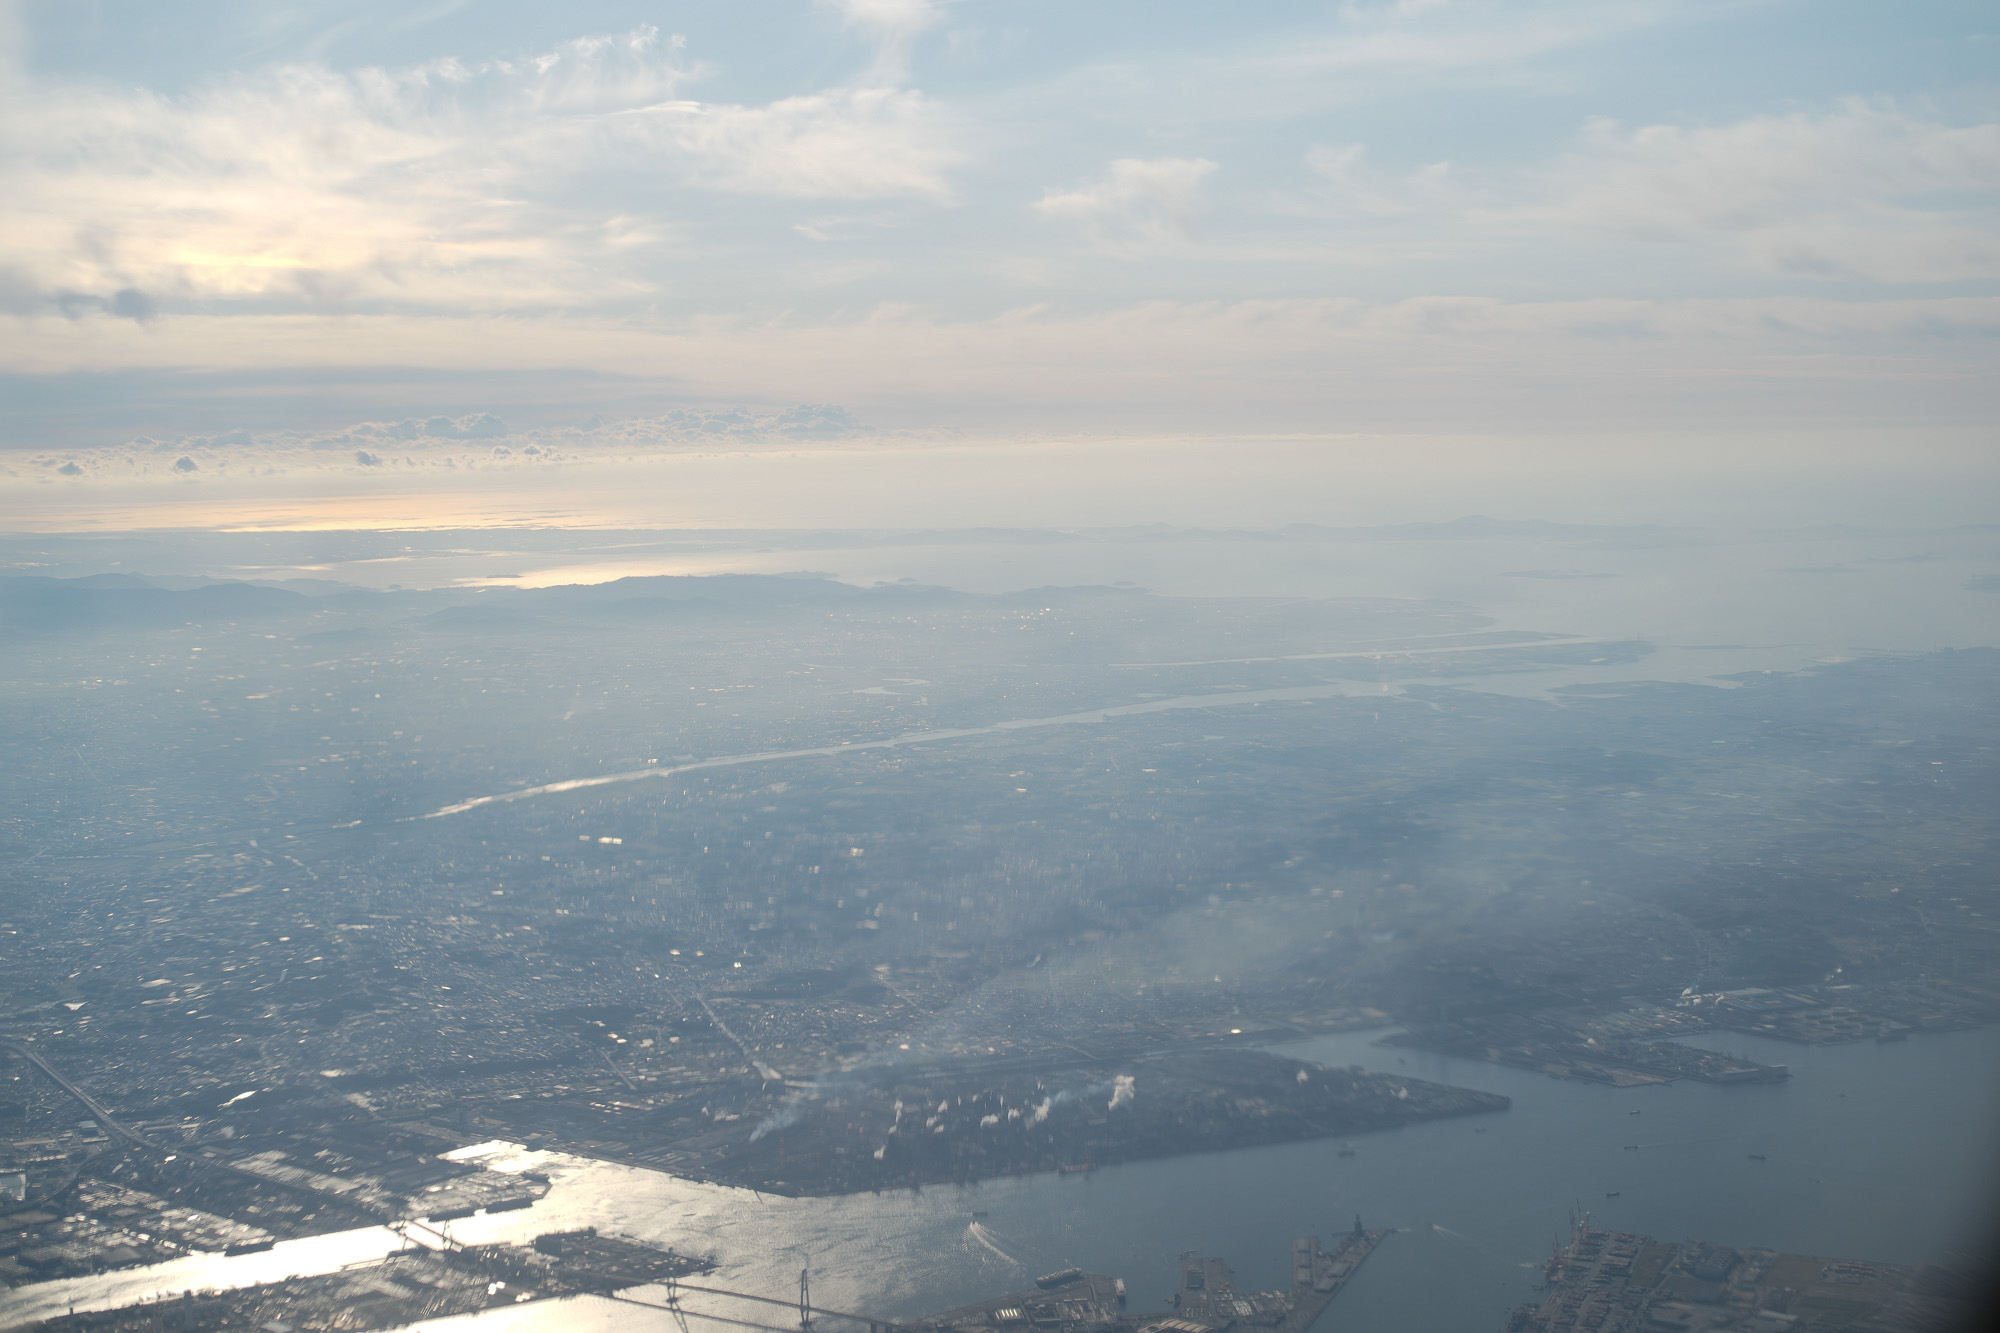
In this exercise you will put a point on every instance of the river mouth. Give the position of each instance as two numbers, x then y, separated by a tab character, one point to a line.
1479	1198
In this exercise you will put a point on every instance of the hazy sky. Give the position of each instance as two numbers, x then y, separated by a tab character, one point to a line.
1428	215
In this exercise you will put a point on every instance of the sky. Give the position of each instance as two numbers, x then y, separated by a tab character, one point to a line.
242	236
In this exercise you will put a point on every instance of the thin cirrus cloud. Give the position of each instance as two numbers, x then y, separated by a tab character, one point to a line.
1401	38
1867	190
1356	52
857	143
894	26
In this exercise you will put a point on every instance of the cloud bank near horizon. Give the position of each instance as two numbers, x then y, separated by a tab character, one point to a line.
478	441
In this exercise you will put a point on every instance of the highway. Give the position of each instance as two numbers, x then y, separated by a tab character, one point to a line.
104	1118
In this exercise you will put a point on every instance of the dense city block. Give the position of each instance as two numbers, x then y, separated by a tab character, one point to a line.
784	883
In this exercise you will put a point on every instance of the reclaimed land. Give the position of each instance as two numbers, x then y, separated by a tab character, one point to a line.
854	1135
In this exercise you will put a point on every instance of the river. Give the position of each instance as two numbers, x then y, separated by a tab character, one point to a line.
1875	1151
1234	699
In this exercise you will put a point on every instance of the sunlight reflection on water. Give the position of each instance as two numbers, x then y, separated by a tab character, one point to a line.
1877	1151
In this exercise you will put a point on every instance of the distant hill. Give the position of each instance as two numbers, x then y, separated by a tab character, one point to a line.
123	601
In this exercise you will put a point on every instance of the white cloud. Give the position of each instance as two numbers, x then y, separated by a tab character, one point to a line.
601	204
1359	187
440	186
1869	190
1147	198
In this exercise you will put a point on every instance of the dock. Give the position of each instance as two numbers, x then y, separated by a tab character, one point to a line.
1205	1299
1318	1275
